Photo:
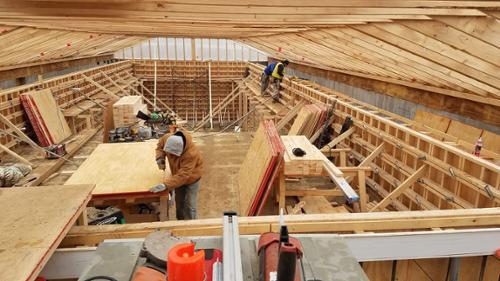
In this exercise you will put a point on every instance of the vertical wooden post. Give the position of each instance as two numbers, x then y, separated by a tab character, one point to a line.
362	190
240	105
210	93
343	159
164	211
83	219
281	187
154	88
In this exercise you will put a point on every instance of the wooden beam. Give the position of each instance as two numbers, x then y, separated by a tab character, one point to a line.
29	69
363	198
149	92
338	139
42	172
320	223
401	188
102	88
290	115
114	83
374	154
317	134
15	155
313	192
19	133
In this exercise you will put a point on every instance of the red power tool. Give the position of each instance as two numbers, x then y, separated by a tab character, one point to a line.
280	257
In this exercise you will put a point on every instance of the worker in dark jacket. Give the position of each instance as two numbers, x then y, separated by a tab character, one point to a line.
186	166
275	71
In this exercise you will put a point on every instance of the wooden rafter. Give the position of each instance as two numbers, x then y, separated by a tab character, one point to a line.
401	188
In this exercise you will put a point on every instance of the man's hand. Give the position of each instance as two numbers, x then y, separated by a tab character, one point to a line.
161	163
158	188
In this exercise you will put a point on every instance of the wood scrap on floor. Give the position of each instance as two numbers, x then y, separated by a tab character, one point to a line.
34	222
256	173
46	117
319	205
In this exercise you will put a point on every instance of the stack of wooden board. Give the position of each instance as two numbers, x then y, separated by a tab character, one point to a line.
125	110
259	169
311	164
309	120
34	222
46	117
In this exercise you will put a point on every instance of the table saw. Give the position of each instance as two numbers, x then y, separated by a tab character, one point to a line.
325	257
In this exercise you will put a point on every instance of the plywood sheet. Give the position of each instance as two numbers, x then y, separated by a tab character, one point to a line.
52	115
464	132
432	120
253	169
308	120
33	221
491	141
300	121
492	269
49	115
120	168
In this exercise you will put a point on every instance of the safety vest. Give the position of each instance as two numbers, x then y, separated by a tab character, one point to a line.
275	71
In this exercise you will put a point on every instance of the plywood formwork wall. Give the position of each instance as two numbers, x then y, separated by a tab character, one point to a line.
455	179
62	89
183	85
488	113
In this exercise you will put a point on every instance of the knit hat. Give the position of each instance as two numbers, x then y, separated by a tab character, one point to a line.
174	145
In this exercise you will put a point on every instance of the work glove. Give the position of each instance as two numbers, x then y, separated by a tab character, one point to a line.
161	163
158	188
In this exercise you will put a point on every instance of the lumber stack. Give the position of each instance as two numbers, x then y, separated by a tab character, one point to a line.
309	164
260	168
46	117
125	110
309	120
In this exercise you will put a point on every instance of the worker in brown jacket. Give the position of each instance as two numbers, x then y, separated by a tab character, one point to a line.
186	166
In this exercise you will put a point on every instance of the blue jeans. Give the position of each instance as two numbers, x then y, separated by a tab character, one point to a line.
185	201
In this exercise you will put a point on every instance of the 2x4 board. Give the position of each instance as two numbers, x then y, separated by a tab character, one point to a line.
34	221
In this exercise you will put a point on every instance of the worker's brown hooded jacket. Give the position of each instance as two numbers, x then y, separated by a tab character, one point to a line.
187	168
